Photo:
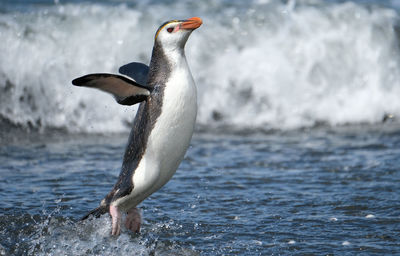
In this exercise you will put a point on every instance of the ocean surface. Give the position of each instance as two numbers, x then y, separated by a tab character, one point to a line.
297	142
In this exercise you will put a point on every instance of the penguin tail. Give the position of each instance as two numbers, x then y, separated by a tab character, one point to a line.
102	209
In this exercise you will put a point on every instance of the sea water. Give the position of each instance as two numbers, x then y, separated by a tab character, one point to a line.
310	192
297	145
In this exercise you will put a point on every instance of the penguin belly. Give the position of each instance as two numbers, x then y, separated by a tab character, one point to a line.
168	140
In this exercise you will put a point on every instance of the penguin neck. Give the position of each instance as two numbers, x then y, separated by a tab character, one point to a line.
176	57
171	57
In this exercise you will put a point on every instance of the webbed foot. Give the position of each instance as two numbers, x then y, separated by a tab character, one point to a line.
133	220
116	220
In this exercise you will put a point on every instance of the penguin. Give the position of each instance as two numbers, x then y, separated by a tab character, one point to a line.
163	125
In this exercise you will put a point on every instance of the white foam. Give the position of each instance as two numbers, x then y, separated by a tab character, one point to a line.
331	64
346	243
270	66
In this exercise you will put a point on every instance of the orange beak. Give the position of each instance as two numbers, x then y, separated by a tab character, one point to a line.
192	23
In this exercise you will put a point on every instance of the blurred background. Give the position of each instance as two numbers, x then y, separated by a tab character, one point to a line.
258	64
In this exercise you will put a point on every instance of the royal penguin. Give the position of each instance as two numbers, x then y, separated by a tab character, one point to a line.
163	125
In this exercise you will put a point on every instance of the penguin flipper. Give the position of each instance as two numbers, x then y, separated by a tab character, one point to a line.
125	90
136	70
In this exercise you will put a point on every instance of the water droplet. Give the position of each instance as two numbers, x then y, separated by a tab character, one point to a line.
257	242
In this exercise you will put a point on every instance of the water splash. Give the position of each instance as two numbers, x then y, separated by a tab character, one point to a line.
58	235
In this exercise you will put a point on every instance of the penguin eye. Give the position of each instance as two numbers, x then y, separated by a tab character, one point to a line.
170	30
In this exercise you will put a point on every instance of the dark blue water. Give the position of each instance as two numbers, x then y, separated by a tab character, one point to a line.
317	192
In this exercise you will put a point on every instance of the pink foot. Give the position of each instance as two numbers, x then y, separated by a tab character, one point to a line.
116	220
133	220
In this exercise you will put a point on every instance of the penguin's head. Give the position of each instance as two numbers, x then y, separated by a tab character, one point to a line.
173	34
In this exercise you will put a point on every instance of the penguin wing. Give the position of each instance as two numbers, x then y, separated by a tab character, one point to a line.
136	70
125	90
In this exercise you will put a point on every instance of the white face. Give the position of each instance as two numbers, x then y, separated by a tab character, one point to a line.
172	36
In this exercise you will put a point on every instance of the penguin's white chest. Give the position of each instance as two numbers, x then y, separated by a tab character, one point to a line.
173	131
170	137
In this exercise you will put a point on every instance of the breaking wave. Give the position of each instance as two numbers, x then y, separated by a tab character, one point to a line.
258	64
